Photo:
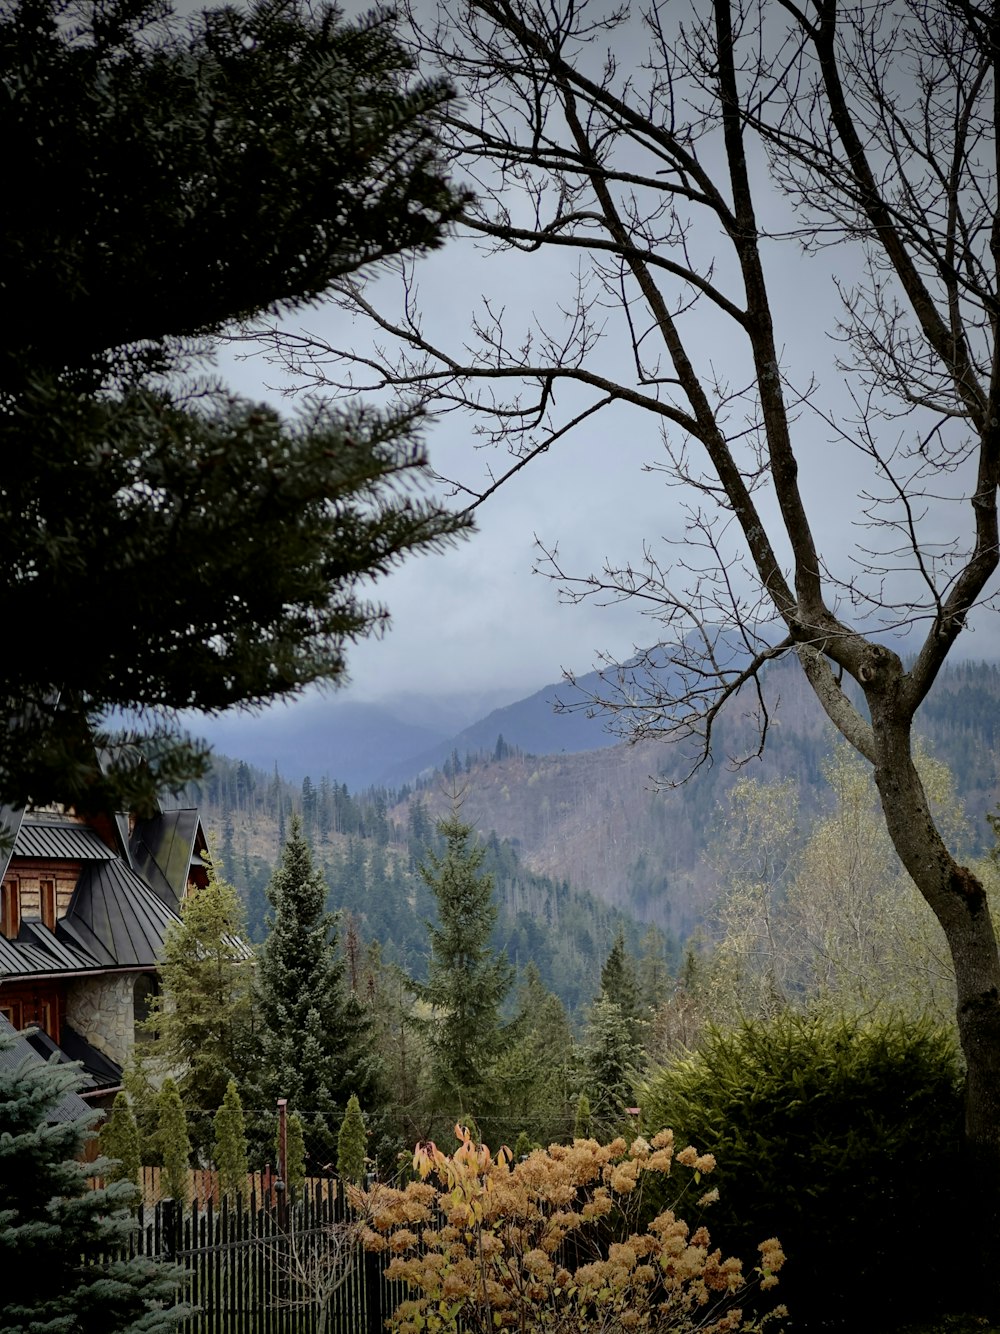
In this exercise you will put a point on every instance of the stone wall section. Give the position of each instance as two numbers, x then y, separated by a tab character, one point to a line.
100	1009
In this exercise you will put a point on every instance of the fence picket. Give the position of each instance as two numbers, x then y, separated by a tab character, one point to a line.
237	1256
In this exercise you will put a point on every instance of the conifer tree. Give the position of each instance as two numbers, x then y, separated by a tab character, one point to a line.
277	149
174	1144
231	1145
315	1041
620	984
352	1143
611	1060
119	1141
56	1232
532	1075
467	981
295	1155
581	1125
201	1019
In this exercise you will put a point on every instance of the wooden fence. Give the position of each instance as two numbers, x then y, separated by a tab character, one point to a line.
267	1270
203	1186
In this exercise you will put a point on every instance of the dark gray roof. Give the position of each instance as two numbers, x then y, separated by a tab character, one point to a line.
61	839
19	1052
116	917
161	850
62	954
102	1073
10	823
36	951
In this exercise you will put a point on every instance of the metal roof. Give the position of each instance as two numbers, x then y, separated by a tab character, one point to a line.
10	823
26	959
162	848
16	1052
61	841
102	1072
62	955
116	917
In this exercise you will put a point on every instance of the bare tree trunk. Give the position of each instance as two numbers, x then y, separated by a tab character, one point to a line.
958	900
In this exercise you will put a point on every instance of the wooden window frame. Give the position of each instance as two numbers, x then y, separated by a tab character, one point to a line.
11	1011
10	908
47	903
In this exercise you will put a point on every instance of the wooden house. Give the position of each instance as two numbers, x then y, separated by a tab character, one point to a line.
84	907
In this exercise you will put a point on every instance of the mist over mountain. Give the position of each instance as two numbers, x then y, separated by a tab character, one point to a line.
354	742
391	742
610	820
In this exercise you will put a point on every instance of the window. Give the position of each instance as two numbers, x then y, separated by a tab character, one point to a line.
43	1017
10	908
11	1011
47	903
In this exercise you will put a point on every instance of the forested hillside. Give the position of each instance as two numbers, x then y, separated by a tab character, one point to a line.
579	844
369	852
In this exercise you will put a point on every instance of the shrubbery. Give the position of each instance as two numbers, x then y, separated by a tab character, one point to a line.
841	1136
548	1244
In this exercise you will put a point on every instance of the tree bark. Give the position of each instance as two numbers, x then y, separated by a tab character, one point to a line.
957	898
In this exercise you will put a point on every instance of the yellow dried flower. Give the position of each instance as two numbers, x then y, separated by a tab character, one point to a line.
661	1160
454	1286
623	1177
402	1240
688	1156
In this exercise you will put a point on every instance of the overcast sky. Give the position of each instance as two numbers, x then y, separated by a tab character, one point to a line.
476	617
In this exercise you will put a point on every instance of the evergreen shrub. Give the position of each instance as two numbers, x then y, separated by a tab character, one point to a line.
840	1136
63	1244
352	1143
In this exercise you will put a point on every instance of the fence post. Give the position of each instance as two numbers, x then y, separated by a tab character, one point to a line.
281	1185
170	1234
373	1292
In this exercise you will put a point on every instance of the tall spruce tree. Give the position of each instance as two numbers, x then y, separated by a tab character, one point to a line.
532	1076
315	1041
611	1059
56	1232
467	981
201	1019
174	176
620	985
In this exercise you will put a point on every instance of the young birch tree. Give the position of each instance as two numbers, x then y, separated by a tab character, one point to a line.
682	183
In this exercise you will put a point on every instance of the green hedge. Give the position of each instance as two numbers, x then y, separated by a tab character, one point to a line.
841	1137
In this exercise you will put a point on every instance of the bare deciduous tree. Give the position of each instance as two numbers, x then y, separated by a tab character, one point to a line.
682	182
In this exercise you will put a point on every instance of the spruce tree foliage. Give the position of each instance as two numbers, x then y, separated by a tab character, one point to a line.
202	1017
173	1143
611	1059
533	1075
582	1125
295	1155
315	1035
56	1232
174	177
230	1156
467	981
352	1143
620	984
119	1139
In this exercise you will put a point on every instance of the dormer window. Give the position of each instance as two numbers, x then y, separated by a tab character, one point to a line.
10	908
